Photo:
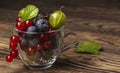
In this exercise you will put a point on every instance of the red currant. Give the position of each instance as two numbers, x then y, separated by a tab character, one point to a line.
18	19
9	58
13	45
20	26
43	37
22	48
39	47
14	53
22	34
47	44
31	51
14	39
28	23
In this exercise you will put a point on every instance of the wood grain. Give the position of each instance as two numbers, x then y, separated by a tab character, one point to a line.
100	25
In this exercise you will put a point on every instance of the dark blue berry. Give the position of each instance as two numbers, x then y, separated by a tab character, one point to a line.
40	54
33	42
42	25
23	42
34	20
31	29
31	32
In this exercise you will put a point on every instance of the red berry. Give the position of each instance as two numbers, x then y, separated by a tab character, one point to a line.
31	51
13	45
39	47
47	44
18	19
14	53
43	37
20	26
14	39
28	23
9	58
22	48
22	34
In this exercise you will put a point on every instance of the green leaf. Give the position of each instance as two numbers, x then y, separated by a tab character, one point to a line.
88	46
29	12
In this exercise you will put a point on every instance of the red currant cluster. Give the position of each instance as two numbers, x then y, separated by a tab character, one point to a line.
13	44
15	39
23	25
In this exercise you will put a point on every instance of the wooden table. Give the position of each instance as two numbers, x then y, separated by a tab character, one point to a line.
103	27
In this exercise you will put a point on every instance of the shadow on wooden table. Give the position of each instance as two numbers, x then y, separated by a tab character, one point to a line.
81	63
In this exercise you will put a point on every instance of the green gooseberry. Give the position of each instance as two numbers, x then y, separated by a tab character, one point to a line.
57	19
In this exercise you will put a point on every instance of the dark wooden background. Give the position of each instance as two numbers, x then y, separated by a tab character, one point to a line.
97	20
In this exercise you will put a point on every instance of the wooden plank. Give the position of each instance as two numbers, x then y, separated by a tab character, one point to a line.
102	27
69	61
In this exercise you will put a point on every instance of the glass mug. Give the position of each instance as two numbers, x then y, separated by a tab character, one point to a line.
40	50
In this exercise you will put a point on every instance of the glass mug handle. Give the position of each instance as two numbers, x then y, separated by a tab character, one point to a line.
74	42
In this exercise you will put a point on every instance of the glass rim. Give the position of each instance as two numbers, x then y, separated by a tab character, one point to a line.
56	30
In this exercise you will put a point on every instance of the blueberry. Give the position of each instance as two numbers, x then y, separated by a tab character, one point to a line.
23	42
54	42
34	20
39	16
40	54
31	29
33	42
40	21
30	32
42	25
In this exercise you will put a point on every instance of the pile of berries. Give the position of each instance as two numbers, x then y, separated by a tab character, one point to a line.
34	36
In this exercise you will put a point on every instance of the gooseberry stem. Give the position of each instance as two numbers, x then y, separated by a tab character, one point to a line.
61	8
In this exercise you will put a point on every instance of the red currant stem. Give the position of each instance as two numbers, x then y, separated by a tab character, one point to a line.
61	8
13	32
